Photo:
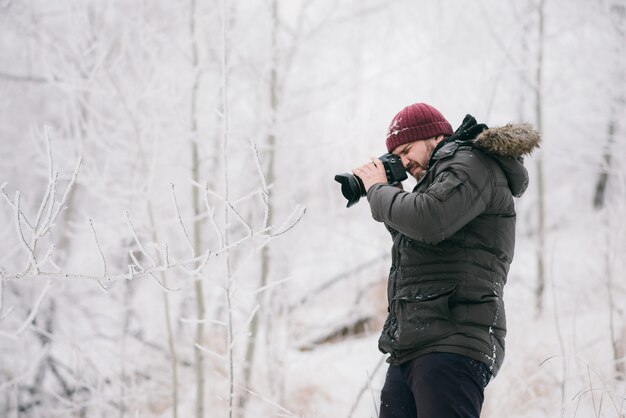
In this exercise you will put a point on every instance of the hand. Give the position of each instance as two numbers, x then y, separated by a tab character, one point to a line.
371	173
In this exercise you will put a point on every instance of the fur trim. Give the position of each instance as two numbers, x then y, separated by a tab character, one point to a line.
511	140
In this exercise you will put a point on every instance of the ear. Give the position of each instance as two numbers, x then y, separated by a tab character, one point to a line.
439	139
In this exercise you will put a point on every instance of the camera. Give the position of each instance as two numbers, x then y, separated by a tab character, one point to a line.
352	187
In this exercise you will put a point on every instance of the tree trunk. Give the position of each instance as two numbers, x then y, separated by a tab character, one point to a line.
603	178
168	318
269	156
616	317
226	235
197	226
541	212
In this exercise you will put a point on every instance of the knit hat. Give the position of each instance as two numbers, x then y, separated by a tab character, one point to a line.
414	122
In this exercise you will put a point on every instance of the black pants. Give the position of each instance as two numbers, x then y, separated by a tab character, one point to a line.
437	385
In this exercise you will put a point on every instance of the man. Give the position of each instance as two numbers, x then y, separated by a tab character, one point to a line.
453	240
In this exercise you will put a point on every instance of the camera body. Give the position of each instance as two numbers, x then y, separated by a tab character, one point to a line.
352	187
393	169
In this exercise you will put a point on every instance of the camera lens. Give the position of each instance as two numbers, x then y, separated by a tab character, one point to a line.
352	187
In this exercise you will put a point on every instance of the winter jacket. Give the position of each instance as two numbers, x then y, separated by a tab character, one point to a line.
453	242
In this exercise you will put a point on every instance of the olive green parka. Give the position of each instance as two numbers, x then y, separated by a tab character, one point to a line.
453	242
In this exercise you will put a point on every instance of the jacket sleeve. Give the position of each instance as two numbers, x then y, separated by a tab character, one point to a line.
392	231
461	191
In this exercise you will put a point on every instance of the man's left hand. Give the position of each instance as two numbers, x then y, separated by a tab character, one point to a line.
371	173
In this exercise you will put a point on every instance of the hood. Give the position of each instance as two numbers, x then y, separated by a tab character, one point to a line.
508	145
512	140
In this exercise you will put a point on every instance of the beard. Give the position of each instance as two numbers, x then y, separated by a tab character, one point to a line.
417	169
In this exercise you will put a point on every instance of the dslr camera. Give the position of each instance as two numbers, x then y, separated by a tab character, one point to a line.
352	187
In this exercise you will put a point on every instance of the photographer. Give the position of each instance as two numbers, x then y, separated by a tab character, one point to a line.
453	239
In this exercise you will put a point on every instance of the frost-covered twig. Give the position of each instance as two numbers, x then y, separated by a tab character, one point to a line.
269	401
46	199
51	260
52	181
221	198
211	212
48	258
227	248
132	273
20	234
12	204
265	194
137	240
167	255
242	220
273	284
201	261
211	352
163	286
102	257
247	323
286	226
53	215
367	384
35	309
202	321
180	221
133	258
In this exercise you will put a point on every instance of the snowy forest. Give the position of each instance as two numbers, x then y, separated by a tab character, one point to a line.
173	243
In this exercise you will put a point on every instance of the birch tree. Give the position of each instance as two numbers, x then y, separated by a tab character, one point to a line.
613	150
541	206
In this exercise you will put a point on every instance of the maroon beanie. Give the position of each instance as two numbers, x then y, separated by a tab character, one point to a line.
417	121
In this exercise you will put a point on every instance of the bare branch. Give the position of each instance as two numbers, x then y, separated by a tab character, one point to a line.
368	383
269	401
167	255
203	321
35	309
68	190
211	352
52	180
131	254
48	258
51	261
163	286
265	194
211	211
22	78
102	257
137	240
273	284
180	221
247	323
20	233
284	228
238	243
8	199
242	220
53	215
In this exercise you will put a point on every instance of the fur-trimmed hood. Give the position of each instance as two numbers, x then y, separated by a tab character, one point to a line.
508	144
511	140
